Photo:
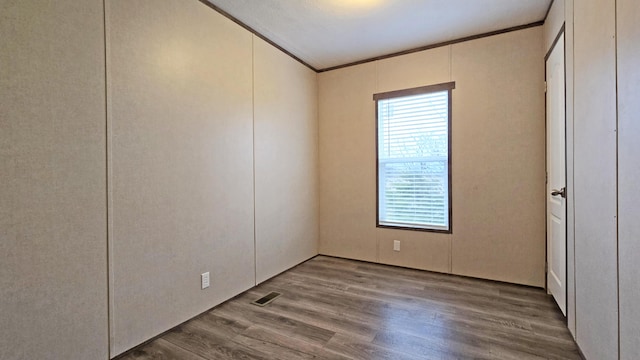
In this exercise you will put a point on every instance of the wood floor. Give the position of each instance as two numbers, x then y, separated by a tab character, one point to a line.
342	309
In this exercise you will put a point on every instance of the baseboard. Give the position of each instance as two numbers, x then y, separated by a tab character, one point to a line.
436	272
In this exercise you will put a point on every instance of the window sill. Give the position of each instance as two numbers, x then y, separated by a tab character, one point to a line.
416	228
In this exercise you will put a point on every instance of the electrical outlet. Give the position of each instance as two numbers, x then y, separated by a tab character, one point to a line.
396	245
204	280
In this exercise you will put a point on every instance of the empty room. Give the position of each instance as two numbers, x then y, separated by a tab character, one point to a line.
319	179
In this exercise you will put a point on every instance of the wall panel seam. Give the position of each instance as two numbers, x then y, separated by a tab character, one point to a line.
617	172
253	151
108	184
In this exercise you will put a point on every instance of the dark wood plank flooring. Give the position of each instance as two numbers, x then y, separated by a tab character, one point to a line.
341	309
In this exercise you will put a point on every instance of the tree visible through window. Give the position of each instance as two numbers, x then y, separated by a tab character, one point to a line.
413	147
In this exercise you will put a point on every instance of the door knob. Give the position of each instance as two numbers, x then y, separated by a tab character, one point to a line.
562	192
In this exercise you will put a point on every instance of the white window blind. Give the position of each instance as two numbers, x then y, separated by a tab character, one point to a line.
413	161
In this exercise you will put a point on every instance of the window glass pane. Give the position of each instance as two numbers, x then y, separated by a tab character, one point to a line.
413	158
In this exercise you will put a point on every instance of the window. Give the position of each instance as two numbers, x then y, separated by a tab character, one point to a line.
414	156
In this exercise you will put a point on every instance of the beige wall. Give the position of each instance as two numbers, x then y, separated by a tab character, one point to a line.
286	161
629	175
347	162
595	178
182	164
53	256
499	128
196	105
498	159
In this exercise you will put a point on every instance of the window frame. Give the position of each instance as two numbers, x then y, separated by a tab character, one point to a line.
448	86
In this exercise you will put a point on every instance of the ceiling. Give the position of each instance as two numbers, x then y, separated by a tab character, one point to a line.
330	33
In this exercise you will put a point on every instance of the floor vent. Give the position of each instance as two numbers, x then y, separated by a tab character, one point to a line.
267	299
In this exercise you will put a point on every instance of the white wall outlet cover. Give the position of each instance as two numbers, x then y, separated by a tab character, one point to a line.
204	279
396	245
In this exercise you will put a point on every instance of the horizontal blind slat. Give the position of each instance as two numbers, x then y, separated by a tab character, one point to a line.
414	129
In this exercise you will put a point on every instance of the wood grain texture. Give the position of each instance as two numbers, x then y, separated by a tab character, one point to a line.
343	309
161	349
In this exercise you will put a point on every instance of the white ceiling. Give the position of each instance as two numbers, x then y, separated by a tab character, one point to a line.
328	33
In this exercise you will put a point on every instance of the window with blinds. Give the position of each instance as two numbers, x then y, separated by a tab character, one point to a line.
413	146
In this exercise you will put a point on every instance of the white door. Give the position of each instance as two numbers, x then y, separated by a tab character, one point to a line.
556	172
